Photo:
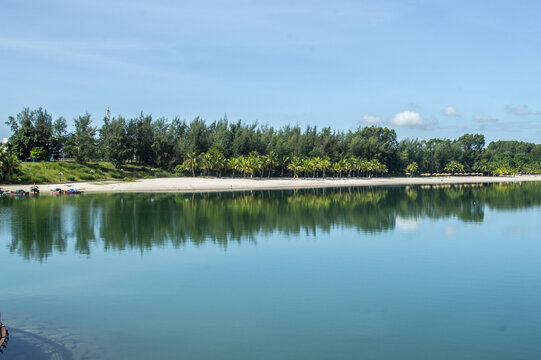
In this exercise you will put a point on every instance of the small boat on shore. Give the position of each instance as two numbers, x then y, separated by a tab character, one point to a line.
72	192
57	191
19	193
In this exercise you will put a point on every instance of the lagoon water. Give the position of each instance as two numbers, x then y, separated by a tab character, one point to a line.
450	272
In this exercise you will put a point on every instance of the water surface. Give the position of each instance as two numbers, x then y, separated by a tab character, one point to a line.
386	273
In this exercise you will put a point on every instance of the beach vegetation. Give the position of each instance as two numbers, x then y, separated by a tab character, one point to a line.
230	148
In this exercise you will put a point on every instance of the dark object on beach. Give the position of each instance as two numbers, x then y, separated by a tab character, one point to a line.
57	191
73	192
34	190
19	192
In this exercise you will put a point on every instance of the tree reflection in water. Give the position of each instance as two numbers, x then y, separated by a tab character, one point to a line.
139	221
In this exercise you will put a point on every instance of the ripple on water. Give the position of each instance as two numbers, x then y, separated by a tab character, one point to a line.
47	343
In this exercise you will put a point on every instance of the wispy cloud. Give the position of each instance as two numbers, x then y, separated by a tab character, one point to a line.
105	54
521	110
371	120
451	111
484	119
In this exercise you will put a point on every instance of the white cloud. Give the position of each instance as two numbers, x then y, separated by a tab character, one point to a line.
408	118
451	111
483	119
370	119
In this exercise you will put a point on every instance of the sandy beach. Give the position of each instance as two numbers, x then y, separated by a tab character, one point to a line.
202	184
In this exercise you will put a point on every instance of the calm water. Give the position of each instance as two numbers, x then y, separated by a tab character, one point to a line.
383	273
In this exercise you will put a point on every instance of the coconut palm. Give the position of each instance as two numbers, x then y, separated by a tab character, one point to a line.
270	161
295	165
454	166
342	166
482	166
412	168
219	162
325	165
191	162
205	162
283	162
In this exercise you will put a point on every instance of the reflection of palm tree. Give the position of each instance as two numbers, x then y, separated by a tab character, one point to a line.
140	222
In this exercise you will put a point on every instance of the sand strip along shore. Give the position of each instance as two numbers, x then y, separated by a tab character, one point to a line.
204	184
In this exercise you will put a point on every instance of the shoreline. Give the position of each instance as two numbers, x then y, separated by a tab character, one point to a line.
206	184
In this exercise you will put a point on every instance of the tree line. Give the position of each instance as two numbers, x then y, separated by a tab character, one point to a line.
237	148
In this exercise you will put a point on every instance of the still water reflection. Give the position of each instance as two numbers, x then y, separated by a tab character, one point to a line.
445	272
40	227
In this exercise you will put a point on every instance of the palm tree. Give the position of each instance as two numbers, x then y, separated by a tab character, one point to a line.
294	165
482	166
254	163
342	166
307	166
350	164
219	163
270	161
8	165
316	163
412	168
381	168
191	162
234	164
454	166
325	164
205	162
336	169
284	161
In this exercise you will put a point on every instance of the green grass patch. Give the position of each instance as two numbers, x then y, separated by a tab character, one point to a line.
54	172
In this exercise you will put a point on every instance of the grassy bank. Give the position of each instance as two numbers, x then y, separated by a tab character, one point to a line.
49	172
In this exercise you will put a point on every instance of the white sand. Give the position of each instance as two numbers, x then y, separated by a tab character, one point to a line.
198	184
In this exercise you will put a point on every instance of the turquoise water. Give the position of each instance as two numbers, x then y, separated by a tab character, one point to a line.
383	273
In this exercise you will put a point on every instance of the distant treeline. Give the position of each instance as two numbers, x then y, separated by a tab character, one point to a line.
220	147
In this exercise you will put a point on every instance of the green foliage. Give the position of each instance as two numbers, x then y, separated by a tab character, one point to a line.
38	153
30	128
116	142
9	165
48	172
83	141
454	166
250	149
412	168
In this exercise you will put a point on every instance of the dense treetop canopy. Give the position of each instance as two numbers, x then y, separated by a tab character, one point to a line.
184	146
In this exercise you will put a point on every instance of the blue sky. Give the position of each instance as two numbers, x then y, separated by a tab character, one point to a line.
425	68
